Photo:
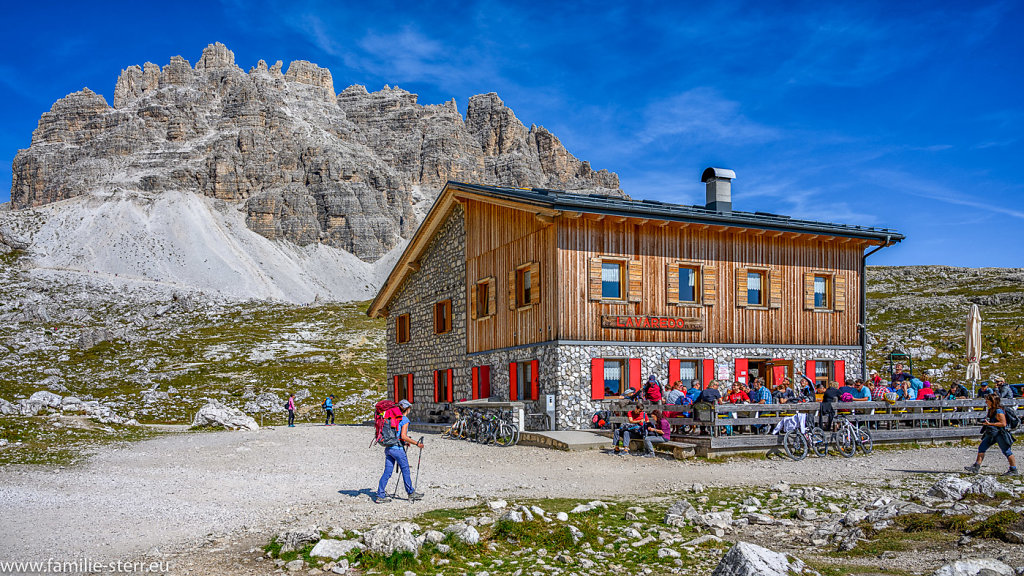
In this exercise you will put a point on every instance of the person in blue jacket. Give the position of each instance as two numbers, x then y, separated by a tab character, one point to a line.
329	410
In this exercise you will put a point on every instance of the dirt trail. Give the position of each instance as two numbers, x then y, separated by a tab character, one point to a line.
184	491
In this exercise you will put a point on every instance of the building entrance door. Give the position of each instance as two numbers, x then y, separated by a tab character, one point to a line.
773	370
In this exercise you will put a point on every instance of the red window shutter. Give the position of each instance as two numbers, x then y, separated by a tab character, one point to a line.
437	391
396	387
534	380
597	378
475	392
840	371
707	372
809	370
450	391
634	373
408	387
485	381
512	382
742	375
673	371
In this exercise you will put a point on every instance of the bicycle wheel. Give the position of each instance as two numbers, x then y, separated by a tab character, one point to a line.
819	445
505	436
795	445
864	441
845	443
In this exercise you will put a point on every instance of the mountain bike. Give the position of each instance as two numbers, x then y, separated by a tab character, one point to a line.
858	437
797	444
458	427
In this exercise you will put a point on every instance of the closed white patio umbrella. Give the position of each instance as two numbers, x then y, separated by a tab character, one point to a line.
973	346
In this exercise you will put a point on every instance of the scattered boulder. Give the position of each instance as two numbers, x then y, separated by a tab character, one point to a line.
746	559
950	488
94	336
512	516
329	548
807	514
464	533
265	402
154	396
680	513
216	414
295	565
34	404
979	567
53	383
8	409
387	539
497	504
668	553
433	536
296	539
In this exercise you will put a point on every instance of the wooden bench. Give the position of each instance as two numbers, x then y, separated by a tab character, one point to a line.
679	450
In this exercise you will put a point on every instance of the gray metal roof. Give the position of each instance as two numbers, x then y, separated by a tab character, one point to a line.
654	209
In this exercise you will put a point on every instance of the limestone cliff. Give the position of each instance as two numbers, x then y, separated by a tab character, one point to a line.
353	170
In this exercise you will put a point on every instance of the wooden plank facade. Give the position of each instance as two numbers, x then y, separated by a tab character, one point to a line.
524	272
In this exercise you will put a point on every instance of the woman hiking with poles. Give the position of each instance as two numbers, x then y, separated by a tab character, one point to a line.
394	442
995	431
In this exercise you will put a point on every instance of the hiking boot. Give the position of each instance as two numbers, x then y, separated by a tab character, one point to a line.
649	455
414	496
382	500
973	468
1012	472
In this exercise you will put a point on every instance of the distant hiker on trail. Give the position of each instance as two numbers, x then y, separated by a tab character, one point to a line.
394	442
329	410
291	410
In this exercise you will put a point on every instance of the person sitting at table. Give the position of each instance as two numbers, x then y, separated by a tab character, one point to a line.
879	390
737	395
674	392
695	391
637	422
909	393
657	431
926	392
984	390
784	393
862	393
874	377
900	374
958	391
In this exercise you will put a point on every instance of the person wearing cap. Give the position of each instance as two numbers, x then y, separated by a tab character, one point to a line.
1005	392
396	454
984	390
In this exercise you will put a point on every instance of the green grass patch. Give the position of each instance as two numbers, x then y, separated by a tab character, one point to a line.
998	525
61	441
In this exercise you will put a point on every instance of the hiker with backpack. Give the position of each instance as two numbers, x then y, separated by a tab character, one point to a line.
392	423
328	407
996	430
291	410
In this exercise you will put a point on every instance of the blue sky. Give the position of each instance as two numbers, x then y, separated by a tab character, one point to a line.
902	115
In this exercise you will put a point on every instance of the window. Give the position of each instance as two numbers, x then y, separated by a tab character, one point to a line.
822	372
443	317
524	287
403	387
481	376
523	380
755	288
402	329
689	370
821	292
688	284
483	292
611	280
443	387
615	377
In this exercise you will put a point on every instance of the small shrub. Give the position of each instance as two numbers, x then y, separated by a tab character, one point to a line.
997	525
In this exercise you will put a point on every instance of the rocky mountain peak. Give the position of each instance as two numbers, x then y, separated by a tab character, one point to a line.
354	170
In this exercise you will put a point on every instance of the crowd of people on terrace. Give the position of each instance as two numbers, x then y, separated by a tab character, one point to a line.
680	399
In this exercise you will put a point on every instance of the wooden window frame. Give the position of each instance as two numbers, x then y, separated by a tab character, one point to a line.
489	296
763	272
623	380
442	317
829	291
399	332
700	292
622	264
675	371
830	364
524	299
444	386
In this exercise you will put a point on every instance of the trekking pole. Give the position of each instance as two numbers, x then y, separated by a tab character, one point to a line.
398	471
418	460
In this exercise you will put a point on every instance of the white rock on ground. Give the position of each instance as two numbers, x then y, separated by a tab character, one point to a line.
465	533
8	409
328	548
299	537
950	488
216	414
433	536
975	568
387	539
746	559
497	504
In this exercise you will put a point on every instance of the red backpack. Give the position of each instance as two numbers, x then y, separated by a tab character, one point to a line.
387	413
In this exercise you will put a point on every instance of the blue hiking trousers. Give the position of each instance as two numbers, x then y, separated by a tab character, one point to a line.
392	455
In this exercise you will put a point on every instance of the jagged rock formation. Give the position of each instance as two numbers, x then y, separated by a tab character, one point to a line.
353	170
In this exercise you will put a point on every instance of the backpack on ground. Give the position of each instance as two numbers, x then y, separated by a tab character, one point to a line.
600	419
1012	418
387	417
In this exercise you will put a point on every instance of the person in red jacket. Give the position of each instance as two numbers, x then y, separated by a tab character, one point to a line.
652	391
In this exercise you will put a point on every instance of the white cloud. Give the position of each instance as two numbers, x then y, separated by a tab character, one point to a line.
935	191
702	115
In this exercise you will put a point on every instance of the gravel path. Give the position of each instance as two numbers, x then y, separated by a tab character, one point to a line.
184	491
